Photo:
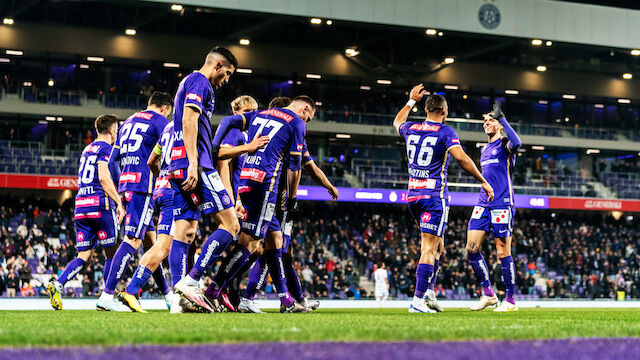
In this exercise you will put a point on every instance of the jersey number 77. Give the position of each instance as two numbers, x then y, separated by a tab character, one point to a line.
266	123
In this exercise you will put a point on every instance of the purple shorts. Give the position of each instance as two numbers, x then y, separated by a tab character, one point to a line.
93	227
498	220
431	215
208	197
260	205
139	210
163	207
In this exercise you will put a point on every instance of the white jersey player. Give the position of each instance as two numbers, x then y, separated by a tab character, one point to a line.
381	278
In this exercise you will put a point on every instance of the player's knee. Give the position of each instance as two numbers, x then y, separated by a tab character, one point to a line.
189	235
472	247
234	227
503	251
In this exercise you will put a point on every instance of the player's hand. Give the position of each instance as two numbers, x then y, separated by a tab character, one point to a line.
258	142
293	209
497	111
120	212
417	92
240	211
333	191
192	177
488	189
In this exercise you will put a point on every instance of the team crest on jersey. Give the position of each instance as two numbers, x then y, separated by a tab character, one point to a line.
102	235
494	152
80	236
426	217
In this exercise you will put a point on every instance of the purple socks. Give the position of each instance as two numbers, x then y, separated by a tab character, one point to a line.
509	277
178	260
482	272
293	282
434	277
257	277
72	269
140	277
423	274
211	250
105	271
238	257
276	269
121	259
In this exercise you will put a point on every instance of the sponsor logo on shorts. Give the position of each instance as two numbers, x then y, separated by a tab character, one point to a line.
248	225
426	217
195	199
177	212
102	235
253	174
127	219
83	243
80	236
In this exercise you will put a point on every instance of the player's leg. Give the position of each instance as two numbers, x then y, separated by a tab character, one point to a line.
273	256
139	213
430	295
293	280
503	247
503	230
479	225
257	277
431	217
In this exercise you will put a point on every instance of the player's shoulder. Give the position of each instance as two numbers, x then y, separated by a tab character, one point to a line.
168	127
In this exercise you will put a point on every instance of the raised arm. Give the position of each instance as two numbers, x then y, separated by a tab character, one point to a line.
514	140
470	167
415	95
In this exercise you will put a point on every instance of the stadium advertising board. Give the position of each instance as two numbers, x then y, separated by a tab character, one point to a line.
21	181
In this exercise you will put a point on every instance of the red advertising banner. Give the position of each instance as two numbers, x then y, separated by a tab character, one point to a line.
594	204
49	182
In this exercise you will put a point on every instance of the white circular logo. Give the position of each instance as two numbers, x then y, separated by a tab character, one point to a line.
393	197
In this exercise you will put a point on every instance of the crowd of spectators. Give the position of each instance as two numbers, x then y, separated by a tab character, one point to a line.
338	245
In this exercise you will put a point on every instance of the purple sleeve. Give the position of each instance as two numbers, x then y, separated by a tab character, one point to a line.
402	129
104	153
451	138
297	145
306	156
514	140
232	139
195	90
231	122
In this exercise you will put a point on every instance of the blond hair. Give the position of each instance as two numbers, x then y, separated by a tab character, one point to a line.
242	102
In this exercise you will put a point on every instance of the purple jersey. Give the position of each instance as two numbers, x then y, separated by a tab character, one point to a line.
136	139
428	144
194	91
282	187
164	145
286	133
91	197
497	162
235	137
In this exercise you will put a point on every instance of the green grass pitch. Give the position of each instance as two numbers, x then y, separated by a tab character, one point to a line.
49	328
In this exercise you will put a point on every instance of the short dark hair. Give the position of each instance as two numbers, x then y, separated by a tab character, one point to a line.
104	123
159	98
380	264
226	53
306	99
279	102
435	103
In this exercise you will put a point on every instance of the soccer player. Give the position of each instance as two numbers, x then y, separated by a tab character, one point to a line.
136	139
497	160
197	186
381	278
97	205
429	144
259	180
258	273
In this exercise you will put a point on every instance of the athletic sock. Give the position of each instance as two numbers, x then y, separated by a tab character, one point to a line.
121	259
72	269
214	246
293	281
509	277
161	281
106	269
482	272
434	277
276	269
423	273
236	261
178	260
140	277
257	276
